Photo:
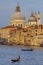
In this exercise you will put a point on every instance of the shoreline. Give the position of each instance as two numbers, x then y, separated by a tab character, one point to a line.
31	46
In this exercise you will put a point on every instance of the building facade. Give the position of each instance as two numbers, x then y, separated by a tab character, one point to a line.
18	32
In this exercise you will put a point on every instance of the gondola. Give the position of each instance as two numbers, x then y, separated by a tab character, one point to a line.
31	49
16	59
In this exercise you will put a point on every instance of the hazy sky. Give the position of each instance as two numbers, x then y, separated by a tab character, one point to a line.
7	8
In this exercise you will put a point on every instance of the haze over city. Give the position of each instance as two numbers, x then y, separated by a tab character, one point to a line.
7	8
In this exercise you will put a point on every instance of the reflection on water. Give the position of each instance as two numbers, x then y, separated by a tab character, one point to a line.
27	57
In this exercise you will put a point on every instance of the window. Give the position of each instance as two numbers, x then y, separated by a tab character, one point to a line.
36	34
36	30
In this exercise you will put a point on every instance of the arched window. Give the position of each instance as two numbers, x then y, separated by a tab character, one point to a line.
21	25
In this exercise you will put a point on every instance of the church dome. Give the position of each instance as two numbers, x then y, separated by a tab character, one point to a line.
32	18
18	14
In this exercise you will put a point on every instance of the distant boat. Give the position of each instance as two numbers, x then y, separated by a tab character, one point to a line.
31	49
16	59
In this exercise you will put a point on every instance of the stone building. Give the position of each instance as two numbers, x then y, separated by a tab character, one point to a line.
5	32
18	32
37	34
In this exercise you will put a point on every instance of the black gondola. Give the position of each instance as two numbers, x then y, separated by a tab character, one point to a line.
31	49
16	59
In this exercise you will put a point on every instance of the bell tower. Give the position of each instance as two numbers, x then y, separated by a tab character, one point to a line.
38	17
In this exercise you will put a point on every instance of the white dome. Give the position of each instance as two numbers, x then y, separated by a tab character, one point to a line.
18	14
32	18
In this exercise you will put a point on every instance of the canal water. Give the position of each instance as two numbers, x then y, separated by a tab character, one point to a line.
7	53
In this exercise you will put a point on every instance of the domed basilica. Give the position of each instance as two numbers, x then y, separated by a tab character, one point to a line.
18	32
18	19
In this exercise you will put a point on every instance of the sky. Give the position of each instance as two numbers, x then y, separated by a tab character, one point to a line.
7	8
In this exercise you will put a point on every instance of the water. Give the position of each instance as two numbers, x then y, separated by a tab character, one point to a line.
27	57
